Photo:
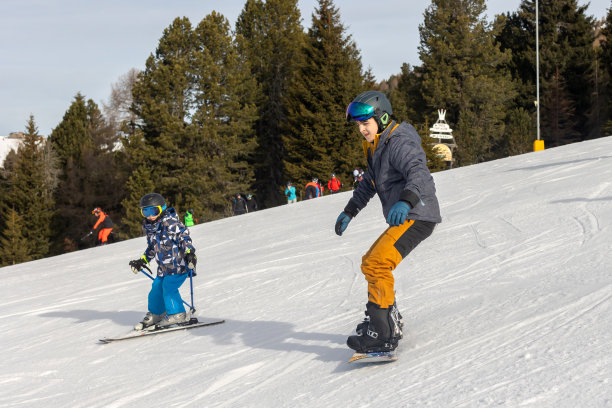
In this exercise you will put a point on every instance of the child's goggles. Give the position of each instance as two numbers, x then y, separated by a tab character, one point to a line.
152	211
359	111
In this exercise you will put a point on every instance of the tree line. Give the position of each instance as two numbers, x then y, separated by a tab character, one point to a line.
218	110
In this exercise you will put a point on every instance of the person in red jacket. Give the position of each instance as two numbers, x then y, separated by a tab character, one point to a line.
104	224
334	185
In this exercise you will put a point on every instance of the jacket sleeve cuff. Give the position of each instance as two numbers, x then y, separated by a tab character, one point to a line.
351	209
410	197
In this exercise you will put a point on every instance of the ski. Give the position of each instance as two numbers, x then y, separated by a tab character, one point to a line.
141	333
379	357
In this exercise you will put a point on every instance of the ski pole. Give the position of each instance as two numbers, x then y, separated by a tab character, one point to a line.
152	278
191	271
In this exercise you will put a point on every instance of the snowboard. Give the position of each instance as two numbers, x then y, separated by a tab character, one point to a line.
142	333
379	357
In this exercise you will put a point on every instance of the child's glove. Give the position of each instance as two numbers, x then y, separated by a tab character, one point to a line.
342	222
139	264
191	259
398	213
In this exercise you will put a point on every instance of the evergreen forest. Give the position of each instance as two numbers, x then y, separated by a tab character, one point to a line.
220	109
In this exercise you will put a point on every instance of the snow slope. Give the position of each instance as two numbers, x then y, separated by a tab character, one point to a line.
6	145
507	304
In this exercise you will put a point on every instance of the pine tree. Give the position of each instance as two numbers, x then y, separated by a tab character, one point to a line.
195	103
318	140
14	246
271	40
605	92
29	194
462	73
88	178
520	132
558	113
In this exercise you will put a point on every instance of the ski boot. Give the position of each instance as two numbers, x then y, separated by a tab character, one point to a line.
149	320
177	318
380	331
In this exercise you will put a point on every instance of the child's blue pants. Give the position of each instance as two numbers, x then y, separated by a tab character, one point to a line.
165	296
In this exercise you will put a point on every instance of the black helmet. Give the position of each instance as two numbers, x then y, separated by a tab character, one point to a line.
370	104
190	211
152	200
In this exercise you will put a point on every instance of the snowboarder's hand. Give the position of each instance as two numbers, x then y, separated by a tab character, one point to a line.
138	264
398	213
342	222
191	259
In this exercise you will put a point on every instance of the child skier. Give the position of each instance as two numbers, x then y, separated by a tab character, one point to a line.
169	243
397	171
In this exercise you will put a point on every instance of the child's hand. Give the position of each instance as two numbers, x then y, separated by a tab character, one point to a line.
191	259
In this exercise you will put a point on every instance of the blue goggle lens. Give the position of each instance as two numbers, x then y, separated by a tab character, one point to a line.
359	111
152	211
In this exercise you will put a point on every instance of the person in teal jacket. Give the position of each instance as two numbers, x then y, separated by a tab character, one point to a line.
190	220
290	194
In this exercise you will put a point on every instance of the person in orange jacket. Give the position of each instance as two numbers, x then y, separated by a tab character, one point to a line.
104	224
334	185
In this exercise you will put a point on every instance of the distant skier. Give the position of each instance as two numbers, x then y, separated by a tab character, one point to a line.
357	177
104	223
290	193
312	189
251	203
190	219
239	204
169	243
334	185
397	171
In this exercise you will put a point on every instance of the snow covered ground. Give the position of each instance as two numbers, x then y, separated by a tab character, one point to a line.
507	304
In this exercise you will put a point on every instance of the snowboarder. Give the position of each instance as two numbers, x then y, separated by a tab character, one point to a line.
397	171
104	223
169	243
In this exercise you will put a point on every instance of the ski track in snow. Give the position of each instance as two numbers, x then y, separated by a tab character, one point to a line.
507	304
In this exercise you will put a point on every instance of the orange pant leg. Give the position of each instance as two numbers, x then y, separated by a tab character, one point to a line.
379	262
103	235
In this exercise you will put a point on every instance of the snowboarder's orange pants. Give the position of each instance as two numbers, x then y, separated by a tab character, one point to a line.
386	253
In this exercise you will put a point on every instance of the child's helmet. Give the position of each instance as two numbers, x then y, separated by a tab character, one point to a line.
355	172
370	104
96	210
152	200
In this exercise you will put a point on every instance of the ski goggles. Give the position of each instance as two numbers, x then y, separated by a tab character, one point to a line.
152	211
359	111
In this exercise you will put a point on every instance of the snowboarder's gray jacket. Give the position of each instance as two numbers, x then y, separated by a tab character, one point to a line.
167	241
397	170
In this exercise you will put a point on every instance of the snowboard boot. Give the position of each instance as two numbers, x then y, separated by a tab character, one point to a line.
395	315
176	318
381	333
150	319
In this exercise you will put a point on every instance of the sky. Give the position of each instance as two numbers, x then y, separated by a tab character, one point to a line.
50	51
507	304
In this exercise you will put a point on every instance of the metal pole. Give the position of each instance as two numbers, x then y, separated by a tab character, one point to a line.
537	68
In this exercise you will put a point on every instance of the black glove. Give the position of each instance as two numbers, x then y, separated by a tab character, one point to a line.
138	264
191	259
